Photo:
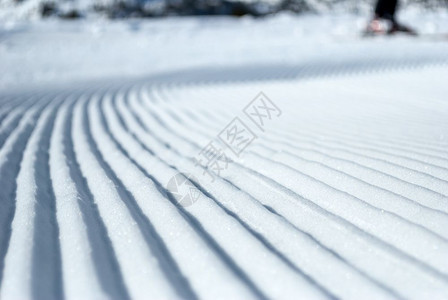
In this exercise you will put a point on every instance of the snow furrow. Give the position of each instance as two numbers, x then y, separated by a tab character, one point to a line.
429	278
79	275
11	155
386	200
103	254
21	261
343	196
233	209
429	171
147	161
10	122
420	194
271	175
412	175
403	229
140	272
422	152
305	244
413	211
290	281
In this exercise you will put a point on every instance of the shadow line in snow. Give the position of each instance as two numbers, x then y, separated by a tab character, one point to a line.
8	177
104	257
46	254
154	241
195	224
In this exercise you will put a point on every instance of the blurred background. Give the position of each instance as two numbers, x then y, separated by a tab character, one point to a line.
73	9
53	42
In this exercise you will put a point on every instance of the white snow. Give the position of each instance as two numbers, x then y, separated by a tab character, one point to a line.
43	53
344	195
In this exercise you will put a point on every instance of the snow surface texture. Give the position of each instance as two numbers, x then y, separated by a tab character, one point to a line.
342	195
49	53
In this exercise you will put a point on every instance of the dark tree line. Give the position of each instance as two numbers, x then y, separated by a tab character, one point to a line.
159	8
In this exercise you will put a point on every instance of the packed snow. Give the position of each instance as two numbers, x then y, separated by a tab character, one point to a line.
339	188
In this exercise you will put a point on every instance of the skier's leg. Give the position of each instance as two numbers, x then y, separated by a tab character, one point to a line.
385	12
393	8
385	9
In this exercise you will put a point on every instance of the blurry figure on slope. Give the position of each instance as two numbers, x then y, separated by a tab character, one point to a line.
384	21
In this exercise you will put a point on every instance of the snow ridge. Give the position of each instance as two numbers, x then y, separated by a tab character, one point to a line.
345	196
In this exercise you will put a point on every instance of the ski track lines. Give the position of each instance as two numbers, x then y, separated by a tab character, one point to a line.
345	196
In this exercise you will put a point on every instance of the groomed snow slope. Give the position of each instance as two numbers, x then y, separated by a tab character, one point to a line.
344	195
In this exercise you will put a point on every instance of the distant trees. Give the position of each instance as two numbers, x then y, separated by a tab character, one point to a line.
158	8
